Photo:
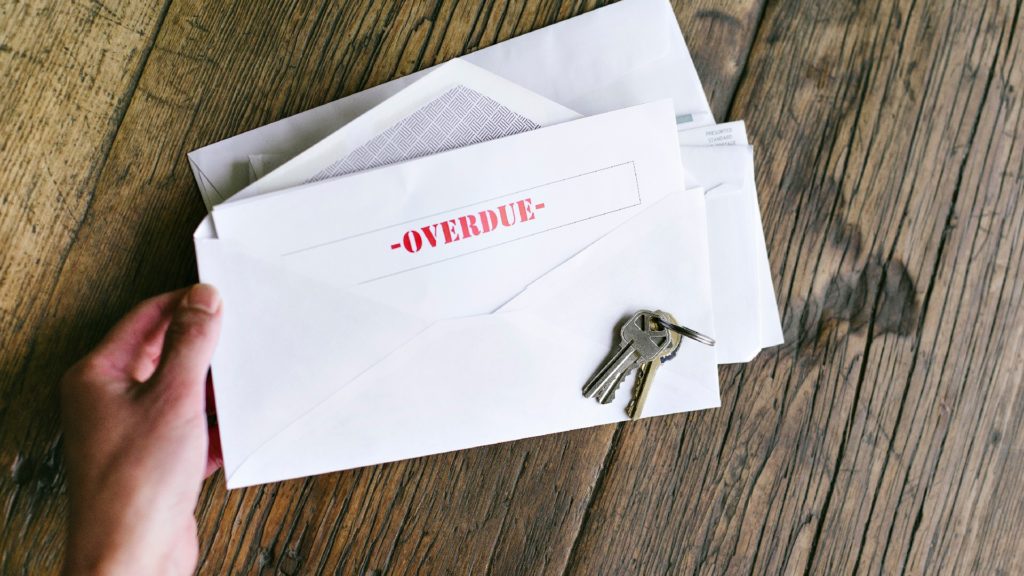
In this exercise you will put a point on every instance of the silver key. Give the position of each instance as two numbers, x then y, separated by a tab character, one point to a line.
640	342
645	374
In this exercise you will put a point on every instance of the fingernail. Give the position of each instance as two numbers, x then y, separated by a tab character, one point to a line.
202	298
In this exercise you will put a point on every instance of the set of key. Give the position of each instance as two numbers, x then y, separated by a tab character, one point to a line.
646	340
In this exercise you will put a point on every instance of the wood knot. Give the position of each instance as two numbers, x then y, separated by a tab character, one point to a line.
881	295
265	557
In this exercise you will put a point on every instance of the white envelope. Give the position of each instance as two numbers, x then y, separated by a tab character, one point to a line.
515	109
455	105
311	377
409	390
620	55
625	54
740	275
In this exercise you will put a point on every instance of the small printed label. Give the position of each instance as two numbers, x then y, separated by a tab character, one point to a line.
468	226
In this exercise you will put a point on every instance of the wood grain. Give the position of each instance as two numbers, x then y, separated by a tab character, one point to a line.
70	71
884	437
880	438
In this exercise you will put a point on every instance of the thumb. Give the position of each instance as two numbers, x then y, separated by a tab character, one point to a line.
189	344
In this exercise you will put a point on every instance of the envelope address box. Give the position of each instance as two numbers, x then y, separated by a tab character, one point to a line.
483	225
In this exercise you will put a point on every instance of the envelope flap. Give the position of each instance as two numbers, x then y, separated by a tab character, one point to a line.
287	343
517	372
578	284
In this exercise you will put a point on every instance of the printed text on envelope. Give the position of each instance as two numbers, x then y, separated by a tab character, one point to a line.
469	229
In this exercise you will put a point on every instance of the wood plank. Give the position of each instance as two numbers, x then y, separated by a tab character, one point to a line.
885	436
219	69
947	480
69	72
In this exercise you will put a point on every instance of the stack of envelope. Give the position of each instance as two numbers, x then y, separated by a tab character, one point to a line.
442	261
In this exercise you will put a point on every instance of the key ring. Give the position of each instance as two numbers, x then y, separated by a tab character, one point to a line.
686	332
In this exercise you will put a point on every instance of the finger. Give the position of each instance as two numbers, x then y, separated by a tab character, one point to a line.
188	346
132	345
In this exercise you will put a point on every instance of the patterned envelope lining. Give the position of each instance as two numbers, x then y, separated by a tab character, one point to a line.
457	118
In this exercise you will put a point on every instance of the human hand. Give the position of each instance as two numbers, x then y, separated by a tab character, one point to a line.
137	441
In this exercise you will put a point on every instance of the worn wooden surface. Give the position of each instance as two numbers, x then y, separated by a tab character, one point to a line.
885	436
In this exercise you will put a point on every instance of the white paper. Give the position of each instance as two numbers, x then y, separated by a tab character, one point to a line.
590	175
625	54
455	105
312	377
741	277
379	243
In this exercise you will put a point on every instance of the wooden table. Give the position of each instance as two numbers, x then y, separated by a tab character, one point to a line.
884	436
